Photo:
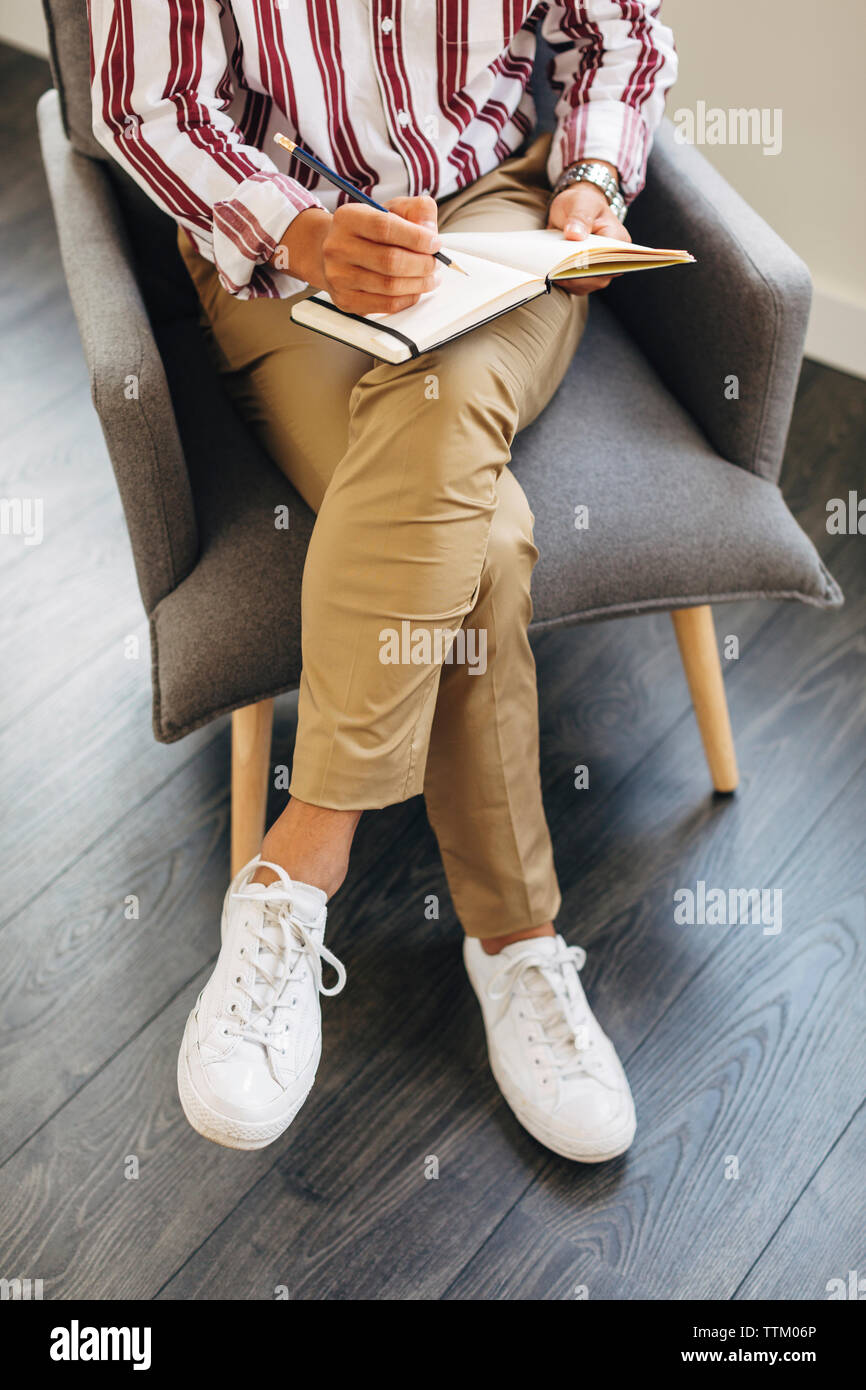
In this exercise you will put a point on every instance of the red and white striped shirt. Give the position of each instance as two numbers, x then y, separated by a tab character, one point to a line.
399	96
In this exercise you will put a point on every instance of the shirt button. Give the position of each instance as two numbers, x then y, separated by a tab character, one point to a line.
386	26
403	118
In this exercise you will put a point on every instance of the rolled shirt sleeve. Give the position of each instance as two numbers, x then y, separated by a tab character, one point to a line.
160	92
613	63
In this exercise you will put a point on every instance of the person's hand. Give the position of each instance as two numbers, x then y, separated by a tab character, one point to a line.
369	262
578	211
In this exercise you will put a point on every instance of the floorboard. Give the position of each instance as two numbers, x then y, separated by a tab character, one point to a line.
821	1239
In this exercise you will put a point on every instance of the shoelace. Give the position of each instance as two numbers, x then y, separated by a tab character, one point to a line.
557	1005
295	942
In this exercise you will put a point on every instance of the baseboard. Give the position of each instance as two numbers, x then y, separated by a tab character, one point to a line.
837	333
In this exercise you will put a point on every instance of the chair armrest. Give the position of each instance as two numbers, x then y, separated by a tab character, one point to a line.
127	379
741	311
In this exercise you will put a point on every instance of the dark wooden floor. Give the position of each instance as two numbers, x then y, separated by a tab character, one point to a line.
738	1045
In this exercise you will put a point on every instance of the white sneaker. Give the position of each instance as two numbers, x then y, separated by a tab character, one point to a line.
252	1043
553	1064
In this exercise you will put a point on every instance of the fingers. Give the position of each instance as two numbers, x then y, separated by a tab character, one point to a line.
577	228
387	228
587	284
613	228
356	277
380	262
578	209
378	269
583	209
422	210
354	303
392	261
379	241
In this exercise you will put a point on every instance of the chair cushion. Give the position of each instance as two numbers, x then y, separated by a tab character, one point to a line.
670	524
669	521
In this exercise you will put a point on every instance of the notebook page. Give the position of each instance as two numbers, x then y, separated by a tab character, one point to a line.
614	268
458	299
542	251
457	304
538	252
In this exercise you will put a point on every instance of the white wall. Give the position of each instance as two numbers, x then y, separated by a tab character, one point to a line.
21	23
805	57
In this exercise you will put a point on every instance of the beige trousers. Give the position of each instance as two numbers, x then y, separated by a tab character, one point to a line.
422	529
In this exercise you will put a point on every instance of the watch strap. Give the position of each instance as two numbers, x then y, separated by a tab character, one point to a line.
587	171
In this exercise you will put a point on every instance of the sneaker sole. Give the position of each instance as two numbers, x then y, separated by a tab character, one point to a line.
225	1130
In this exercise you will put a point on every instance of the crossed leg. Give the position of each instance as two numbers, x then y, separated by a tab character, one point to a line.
420	522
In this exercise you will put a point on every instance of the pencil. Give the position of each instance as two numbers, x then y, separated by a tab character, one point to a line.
353	192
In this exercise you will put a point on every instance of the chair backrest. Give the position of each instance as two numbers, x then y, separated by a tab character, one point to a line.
69	42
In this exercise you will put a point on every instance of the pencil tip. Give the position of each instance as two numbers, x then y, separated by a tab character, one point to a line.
460	268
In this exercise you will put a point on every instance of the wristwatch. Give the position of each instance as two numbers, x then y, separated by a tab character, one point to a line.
589	172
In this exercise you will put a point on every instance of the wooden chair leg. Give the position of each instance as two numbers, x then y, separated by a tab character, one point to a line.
251	757
696	638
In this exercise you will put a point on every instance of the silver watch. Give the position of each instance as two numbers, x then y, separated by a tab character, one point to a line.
589	172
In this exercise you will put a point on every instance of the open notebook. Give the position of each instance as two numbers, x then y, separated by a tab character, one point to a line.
504	269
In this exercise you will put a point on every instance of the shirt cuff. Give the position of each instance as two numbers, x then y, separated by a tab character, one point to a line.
248	227
608	130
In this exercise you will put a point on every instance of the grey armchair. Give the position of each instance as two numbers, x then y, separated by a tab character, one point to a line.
677	465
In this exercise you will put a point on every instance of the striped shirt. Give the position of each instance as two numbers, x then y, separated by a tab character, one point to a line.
399	96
